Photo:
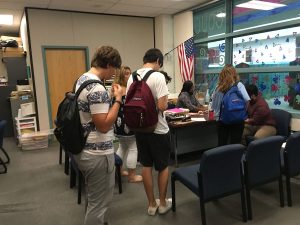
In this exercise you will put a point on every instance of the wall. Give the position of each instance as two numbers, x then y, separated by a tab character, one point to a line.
164	40
132	36
183	30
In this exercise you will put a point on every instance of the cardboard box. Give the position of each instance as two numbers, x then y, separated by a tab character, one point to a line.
13	52
10	49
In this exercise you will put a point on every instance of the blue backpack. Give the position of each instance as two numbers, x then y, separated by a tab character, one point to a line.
233	107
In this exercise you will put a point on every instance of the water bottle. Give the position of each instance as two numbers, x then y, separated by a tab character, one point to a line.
207	97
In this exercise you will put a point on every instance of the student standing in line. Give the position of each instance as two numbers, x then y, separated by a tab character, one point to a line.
127	145
260	122
97	115
154	148
228	133
187	99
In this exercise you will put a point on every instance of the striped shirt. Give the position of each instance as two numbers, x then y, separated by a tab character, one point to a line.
94	99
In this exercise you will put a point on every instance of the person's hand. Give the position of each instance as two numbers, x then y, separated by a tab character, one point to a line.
117	91
202	108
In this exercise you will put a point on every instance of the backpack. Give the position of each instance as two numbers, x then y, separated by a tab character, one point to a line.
9	43
69	131
140	113
233	106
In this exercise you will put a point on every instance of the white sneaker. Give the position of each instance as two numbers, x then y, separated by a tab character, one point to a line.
166	208
152	210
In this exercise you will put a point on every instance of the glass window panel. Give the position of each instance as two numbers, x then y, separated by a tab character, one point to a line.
209	56
268	49
204	82
280	90
210	22
247	18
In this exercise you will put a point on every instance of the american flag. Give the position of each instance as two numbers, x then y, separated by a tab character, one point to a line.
186	59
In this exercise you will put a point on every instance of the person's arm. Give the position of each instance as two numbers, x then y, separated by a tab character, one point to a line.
186	100
104	121
161	92
259	115
162	103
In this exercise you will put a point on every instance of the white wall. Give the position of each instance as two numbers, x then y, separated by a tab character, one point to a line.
132	36
164	40
183	30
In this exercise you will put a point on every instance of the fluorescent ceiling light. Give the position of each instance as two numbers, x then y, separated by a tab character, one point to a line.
267	24
220	15
261	5
6	19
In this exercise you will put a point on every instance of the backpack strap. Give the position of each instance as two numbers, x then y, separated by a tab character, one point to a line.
86	83
147	75
134	76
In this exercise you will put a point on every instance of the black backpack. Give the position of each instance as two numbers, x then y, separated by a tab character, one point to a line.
69	131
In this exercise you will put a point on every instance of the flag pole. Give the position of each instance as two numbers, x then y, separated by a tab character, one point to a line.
176	47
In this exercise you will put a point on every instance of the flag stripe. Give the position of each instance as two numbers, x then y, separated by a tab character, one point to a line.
186	59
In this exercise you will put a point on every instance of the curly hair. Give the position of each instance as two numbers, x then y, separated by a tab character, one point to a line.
106	56
120	76
227	78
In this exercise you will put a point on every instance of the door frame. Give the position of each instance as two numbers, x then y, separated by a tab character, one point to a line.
55	47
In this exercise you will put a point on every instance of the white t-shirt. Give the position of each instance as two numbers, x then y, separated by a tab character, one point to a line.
94	99
157	84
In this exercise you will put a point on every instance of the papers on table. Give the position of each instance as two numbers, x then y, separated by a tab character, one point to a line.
198	119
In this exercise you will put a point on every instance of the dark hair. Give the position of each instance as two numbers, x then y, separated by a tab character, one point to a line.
152	55
252	90
186	87
106	56
167	77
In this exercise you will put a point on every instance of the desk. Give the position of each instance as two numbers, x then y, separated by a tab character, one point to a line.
192	136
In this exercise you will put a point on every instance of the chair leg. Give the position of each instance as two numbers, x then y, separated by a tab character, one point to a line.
67	163
60	155
119	178
4	166
173	193
202	208
6	155
244	211
288	190
281	191
248	200
72	177
79	187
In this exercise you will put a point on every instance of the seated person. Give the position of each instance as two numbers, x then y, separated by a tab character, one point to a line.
187	99
259	123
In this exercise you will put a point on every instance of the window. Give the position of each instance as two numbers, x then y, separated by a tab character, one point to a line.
251	17
211	22
275	48
263	44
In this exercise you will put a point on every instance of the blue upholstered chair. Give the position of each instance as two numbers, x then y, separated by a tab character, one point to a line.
283	122
291	159
218	175
262	165
3	162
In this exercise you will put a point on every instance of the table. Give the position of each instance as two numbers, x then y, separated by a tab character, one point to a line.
192	136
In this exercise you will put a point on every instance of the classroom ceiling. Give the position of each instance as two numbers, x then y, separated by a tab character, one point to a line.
148	8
